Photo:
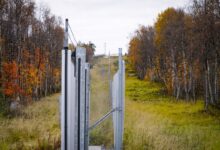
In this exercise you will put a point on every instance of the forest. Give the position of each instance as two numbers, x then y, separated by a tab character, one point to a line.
31	40
182	51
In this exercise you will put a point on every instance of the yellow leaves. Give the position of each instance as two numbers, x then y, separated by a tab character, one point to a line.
164	22
32	73
133	48
57	75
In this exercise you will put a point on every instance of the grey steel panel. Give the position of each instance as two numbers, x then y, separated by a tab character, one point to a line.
70	102
80	94
62	100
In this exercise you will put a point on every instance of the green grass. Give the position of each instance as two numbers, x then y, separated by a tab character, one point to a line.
154	120
37	127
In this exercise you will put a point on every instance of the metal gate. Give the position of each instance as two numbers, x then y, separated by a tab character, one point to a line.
75	100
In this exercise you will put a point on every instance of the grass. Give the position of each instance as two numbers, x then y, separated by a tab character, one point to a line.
154	120
37	127
100	104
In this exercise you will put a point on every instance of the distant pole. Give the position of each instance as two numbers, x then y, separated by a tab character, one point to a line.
105	48
109	78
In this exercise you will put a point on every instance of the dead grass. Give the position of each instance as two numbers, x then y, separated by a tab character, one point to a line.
37	124
100	104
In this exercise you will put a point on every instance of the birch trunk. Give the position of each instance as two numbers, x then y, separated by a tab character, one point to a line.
206	90
184	76
173	73
216	80
210	84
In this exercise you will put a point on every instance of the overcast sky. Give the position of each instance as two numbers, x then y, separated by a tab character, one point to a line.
110	21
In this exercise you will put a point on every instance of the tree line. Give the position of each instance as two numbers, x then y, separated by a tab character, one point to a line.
31	40
181	50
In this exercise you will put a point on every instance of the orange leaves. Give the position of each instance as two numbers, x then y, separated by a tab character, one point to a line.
11	88
10	70
10	80
22	79
31	79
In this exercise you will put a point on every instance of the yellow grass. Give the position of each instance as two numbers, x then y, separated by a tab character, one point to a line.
100	104
36	124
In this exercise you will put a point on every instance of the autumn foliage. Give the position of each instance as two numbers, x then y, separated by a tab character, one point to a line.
30	50
10	84
182	51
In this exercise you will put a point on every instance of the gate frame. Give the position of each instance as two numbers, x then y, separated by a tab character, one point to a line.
75	99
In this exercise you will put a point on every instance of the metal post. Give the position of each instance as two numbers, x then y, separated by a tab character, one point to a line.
118	102
120	87
80	97
68	102
87	104
65	88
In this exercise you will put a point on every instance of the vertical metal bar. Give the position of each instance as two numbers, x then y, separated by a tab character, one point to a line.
66	85
62	101
85	109
87	104
82	100
65	103
79	99
119	144
118	102
65	42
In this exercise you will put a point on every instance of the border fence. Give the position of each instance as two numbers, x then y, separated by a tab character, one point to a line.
75	99
118	102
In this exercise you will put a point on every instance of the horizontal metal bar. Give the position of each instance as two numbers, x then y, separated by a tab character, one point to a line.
102	119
